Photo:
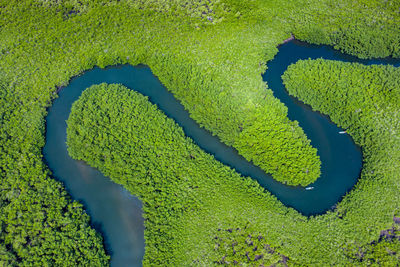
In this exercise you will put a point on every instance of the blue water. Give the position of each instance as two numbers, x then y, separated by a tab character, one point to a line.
118	215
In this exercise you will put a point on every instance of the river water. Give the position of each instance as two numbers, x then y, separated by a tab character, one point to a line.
118	215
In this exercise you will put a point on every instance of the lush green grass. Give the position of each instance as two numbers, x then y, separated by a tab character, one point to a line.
212	66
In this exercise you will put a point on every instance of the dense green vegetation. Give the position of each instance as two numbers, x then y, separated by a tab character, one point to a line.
362	28
39	224
241	247
211	61
198	211
369	101
383	252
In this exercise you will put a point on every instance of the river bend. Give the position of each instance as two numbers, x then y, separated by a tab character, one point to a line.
118	215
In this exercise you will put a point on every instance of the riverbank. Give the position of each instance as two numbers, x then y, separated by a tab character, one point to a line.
291	38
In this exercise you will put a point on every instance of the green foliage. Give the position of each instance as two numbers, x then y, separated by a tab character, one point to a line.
362	28
195	208
222	91
280	137
142	149
369	101
240	247
119	132
370	106
383	252
39	224
213	68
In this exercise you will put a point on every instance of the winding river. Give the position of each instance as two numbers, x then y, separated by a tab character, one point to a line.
118	215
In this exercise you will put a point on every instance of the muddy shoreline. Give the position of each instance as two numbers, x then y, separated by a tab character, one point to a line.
291	38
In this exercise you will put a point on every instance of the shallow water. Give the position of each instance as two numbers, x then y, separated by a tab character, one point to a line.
118	215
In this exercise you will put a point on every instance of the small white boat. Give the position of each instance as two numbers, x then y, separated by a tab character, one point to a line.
310	188
342	132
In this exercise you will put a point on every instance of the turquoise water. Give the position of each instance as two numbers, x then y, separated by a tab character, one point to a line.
118	215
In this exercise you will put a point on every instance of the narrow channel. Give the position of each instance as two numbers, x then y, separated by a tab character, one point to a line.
118	215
